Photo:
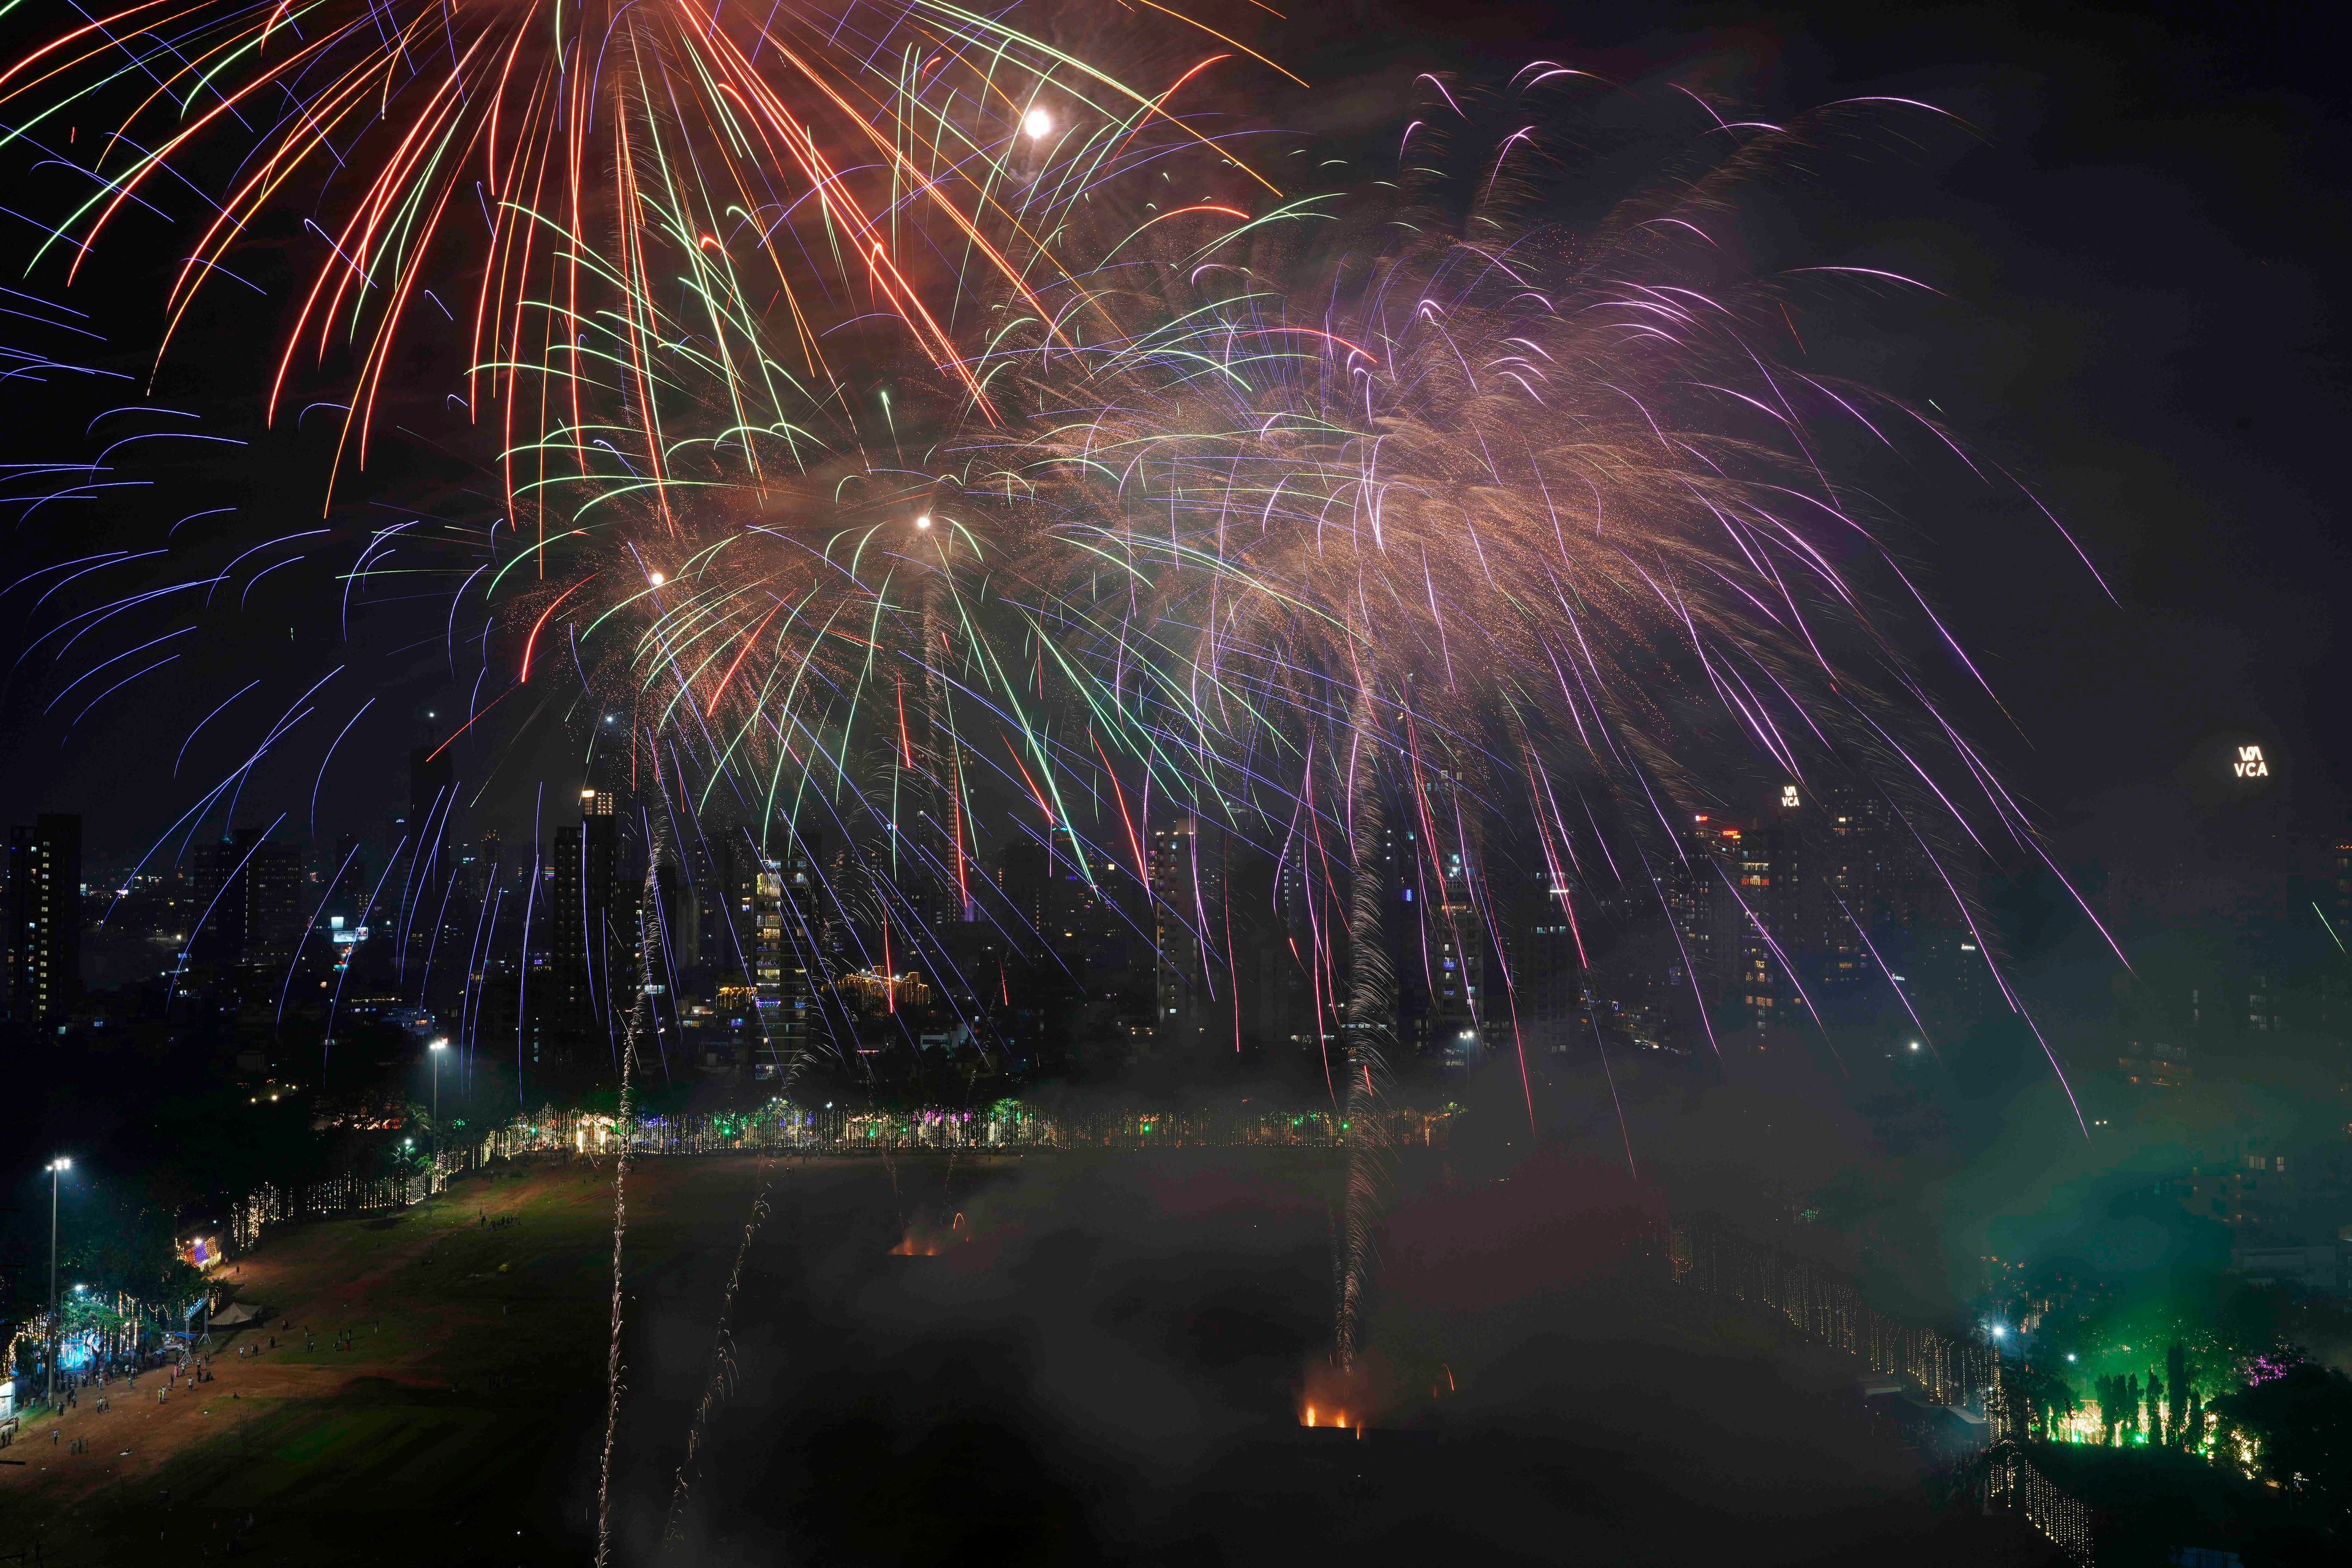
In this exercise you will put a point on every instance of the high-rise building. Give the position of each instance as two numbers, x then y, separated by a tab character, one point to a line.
1457	988
792	933
1768	915
1184	887
247	888
1737	897
1287	991
1950	972
769	946
1699	898
590	943
274	916
678	937
1547	975
44	917
1024	877
217	895
1845	832
1410	897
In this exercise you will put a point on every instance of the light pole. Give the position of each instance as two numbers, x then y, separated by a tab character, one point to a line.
57	1168
435	1050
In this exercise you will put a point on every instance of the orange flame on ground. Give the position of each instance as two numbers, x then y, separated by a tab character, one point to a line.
922	1241
1336	1400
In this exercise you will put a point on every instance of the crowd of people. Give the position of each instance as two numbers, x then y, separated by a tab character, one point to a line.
181	1369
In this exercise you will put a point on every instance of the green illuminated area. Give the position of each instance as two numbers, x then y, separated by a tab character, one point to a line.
2202	1398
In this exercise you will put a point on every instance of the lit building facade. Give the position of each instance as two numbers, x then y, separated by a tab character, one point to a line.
44	917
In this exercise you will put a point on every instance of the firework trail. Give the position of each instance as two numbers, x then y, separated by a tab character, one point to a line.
1541	518
600	200
711	249
641	1013
1539	526
1530	524
1372	1009
721	1376
881	461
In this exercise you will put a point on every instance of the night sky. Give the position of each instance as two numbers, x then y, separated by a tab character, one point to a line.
2133	221
2130	241
2127	218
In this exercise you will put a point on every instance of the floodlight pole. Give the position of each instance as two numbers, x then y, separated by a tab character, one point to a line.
57	1168
435	1050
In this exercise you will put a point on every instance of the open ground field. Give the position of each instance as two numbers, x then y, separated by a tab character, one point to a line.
470	1362
1102	1362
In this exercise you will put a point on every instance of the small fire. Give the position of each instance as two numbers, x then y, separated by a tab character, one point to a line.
1336	1400
1335	1420
926	1241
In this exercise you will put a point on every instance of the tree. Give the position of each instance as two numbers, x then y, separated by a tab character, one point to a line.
2301	1423
2175	1385
2034	1398
2116	1399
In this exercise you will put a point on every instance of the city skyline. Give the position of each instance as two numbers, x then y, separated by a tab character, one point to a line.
885	783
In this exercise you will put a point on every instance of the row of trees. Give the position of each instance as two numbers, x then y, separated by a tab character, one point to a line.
2166	1412
2292	1426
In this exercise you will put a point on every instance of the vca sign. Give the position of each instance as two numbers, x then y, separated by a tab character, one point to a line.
2250	764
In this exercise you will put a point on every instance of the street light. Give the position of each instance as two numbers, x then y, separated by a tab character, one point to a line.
435	1050
57	1168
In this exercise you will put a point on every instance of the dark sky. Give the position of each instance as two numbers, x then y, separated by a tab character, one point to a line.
2133	245
2140	246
